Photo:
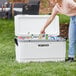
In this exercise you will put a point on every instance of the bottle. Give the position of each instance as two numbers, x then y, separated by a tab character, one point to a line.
46	36
31	36
40	36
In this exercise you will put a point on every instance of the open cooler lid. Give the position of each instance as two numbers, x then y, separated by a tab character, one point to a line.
32	24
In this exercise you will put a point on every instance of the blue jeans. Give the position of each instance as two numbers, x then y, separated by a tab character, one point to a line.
72	37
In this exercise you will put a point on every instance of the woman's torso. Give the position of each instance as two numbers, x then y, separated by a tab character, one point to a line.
66	8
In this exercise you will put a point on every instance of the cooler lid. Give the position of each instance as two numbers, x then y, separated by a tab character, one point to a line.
32	24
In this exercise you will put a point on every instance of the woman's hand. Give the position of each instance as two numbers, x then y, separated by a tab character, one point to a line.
42	31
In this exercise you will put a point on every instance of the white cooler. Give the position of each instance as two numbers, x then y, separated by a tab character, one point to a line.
31	49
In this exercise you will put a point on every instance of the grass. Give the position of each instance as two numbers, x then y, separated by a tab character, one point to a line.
63	19
9	67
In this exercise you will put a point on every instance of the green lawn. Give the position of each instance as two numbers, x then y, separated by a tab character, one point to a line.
63	19
9	67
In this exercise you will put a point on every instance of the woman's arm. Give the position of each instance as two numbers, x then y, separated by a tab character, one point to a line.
50	19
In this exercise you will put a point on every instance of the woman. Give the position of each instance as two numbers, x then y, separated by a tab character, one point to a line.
66	7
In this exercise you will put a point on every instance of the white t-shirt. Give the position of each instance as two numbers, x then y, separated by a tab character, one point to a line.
68	8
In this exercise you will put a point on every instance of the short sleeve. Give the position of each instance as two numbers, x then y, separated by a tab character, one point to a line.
71	3
55	9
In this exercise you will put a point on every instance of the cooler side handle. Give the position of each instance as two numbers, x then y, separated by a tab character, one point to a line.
16	41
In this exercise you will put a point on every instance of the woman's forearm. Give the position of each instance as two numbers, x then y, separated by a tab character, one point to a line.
48	22
50	19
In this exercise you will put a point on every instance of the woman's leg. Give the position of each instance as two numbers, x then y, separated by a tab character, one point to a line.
72	37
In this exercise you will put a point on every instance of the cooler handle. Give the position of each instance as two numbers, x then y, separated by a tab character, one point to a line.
43	45
16	41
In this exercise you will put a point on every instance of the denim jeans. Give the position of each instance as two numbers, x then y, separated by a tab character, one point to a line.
72	37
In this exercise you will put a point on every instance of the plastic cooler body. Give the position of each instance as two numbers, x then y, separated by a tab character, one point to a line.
33	49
